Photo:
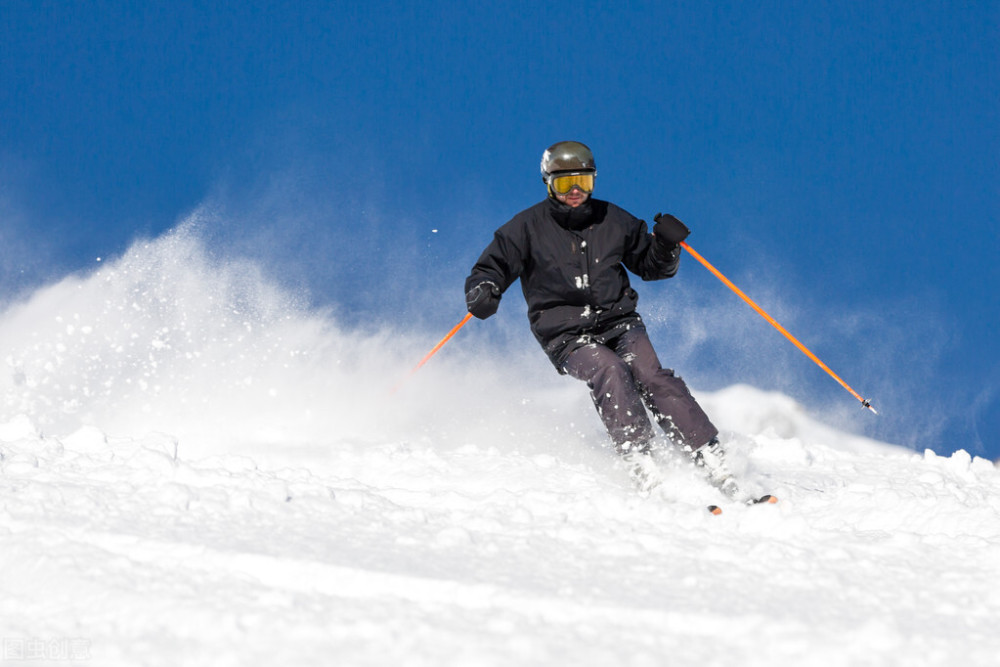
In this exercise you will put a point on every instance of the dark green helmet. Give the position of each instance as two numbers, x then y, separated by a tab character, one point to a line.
567	156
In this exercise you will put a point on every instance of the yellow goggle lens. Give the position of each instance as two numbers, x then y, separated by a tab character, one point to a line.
563	184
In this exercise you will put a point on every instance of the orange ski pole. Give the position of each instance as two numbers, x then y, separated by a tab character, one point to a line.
760	311
434	350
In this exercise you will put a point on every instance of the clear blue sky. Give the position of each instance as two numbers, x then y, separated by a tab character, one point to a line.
839	160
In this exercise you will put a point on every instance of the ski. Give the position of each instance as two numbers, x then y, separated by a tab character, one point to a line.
766	499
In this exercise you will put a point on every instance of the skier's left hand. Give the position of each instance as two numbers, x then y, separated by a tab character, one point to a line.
669	229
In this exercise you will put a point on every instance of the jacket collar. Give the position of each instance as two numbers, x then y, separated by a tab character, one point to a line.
573	219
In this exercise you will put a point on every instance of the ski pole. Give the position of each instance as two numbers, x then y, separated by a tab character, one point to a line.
434	350
760	311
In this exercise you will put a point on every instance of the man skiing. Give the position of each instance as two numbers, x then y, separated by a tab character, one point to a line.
571	253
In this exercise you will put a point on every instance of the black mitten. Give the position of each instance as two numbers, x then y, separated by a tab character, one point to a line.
669	229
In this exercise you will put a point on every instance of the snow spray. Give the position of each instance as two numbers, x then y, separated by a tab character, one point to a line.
170	338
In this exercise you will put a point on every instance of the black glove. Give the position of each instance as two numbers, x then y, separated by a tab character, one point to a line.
669	229
483	299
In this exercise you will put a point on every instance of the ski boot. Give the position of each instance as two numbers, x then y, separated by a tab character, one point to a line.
642	469
711	458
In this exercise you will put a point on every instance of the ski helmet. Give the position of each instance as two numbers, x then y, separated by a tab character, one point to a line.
569	156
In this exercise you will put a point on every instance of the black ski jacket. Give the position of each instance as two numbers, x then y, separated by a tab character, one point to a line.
572	263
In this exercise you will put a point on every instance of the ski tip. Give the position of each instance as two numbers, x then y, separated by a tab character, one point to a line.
763	500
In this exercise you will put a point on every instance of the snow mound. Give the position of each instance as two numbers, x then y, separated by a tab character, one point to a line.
744	409
403	553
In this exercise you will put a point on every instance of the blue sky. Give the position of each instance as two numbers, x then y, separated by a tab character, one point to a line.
838	160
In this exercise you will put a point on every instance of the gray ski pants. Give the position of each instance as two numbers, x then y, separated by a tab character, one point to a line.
625	377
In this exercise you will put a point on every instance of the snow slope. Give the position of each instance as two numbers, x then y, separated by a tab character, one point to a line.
195	471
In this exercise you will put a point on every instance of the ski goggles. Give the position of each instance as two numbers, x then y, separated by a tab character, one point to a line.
561	184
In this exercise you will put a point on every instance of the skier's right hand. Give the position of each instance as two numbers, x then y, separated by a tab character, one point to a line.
483	299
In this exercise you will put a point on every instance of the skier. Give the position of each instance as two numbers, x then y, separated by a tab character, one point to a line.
570	252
